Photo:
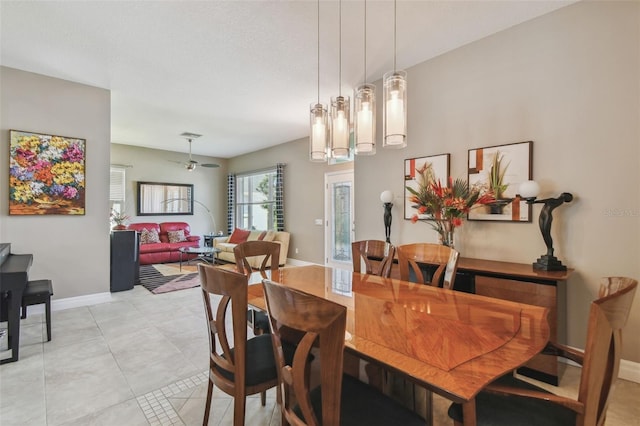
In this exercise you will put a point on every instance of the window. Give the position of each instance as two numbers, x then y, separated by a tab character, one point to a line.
255	200
117	188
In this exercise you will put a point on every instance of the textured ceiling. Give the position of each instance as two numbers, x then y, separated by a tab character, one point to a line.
241	73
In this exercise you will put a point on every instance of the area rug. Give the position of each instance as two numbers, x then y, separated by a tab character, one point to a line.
160	279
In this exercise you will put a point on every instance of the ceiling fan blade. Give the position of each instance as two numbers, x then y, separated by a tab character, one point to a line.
210	165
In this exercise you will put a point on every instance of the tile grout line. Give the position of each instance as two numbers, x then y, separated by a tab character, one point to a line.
156	406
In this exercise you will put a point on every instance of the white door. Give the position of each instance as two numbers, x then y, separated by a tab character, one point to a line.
339	219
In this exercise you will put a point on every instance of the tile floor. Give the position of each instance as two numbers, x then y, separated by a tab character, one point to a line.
141	360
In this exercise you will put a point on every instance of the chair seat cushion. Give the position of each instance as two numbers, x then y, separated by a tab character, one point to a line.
260	320
494	410
261	365
361	404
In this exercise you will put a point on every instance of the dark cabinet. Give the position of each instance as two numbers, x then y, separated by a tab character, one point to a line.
124	260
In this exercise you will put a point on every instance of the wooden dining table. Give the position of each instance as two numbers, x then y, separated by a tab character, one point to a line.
449	342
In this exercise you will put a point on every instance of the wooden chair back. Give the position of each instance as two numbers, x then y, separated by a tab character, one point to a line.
370	251
268	249
607	318
232	287
318	321
443	257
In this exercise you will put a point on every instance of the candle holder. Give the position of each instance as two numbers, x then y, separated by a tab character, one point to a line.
529	191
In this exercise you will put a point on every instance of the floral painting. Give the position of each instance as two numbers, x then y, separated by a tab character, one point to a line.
46	174
433	168
499	171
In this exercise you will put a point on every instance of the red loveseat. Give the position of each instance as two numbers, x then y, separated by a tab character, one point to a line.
163	251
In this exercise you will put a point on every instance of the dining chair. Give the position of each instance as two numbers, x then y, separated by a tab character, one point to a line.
410	256
371	251
510	401
246	368
271	251
340	399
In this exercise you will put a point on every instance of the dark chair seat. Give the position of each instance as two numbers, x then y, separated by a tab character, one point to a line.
494	409
361	404
37	292
261	365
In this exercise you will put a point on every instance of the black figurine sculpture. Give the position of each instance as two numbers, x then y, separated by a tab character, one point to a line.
387	197
548	262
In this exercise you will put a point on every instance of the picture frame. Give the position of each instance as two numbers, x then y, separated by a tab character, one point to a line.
440	165
164	199
501	169
46	174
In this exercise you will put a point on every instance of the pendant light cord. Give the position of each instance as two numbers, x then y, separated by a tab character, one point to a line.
365	41
394	33
318	51
340	50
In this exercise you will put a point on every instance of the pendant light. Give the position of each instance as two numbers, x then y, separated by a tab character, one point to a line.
340	106
364	108
318	140
395	101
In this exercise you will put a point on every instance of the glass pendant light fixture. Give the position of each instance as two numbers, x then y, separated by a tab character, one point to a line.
395	101
364	108
340	108
318	140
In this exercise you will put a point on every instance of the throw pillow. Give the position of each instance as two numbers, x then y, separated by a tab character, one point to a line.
176	236
149	236
239	236
269	236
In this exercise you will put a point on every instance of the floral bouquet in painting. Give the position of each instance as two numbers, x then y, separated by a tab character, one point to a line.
46	174
447	205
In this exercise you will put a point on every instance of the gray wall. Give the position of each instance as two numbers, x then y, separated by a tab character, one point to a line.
73	251
152	165
569	81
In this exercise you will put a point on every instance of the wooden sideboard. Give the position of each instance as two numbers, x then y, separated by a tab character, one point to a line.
518	282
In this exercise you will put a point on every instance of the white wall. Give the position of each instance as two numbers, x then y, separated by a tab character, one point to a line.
152	165
73	251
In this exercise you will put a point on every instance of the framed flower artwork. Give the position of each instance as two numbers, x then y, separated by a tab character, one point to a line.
499	171
435	166
46	174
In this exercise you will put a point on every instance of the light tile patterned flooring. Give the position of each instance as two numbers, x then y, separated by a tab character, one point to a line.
141	360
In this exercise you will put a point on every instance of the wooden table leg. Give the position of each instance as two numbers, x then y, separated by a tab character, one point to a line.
469	413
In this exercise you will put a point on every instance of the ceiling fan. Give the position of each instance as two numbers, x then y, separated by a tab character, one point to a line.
191	164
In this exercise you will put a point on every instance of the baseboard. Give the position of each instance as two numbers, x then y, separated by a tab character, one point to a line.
73	302
629	370
296	262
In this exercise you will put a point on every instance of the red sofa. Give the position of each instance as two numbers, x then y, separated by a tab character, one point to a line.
164	251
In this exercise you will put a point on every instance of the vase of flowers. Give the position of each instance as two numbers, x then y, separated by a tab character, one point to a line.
446	205
119	220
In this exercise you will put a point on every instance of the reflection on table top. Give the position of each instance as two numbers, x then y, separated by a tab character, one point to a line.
451	342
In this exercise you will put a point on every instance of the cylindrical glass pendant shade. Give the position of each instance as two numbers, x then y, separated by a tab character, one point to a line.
319	133
395	110
364	110
340	127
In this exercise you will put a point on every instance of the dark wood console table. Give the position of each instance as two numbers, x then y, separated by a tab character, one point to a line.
517	282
